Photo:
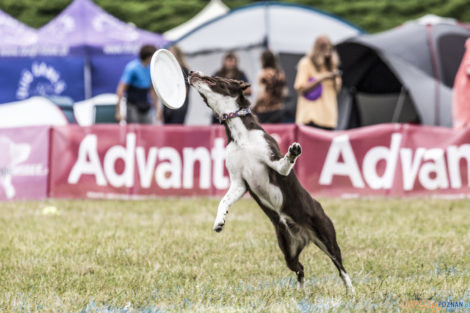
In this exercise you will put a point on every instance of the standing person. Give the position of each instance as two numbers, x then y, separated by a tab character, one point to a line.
269	105
461	95
136	84
177	116
230	70
318	82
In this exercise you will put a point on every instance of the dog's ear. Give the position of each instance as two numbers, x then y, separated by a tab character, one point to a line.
244	85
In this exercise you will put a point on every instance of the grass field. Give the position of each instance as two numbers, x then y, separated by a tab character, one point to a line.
162	256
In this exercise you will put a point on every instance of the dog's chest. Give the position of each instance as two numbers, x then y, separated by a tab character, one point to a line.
246	158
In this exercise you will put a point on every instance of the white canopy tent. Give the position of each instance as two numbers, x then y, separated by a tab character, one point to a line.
286	29
214	9
86	110
34	111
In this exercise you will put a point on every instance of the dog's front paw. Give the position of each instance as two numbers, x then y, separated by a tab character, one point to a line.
295	150
219	225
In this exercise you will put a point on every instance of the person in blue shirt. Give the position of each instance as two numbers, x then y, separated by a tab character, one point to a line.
136	85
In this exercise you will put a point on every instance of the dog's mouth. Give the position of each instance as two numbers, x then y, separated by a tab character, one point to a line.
195	77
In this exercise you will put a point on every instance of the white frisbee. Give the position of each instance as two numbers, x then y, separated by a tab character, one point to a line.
167	79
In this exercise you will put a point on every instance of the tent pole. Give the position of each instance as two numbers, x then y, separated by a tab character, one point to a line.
400	105
87	76
266	25
437	76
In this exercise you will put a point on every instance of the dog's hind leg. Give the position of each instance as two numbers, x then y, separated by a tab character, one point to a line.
331	248
291	248
294	265
337	261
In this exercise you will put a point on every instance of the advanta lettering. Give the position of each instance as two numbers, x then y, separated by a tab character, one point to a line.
163	165
434	168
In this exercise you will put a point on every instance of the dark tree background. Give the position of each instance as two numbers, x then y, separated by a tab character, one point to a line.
161	15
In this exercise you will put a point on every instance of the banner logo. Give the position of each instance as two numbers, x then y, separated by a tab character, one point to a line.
40	80
11	159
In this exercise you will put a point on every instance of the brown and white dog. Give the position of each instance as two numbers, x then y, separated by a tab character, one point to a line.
256	164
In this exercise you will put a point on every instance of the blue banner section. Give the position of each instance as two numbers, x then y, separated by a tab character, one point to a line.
106	72
22	78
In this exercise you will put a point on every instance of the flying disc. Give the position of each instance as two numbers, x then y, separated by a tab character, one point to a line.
167	79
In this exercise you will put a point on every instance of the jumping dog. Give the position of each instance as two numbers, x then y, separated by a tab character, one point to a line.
256	164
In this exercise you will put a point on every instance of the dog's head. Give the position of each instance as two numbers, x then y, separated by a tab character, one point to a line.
222	95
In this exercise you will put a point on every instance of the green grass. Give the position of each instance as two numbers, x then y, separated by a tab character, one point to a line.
162	256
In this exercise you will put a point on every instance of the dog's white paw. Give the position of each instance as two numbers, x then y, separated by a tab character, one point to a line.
219	225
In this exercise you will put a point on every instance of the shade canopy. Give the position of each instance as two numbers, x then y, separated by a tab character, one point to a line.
80	53
418	60
18	39
86	28
13	32
286	29
281	26
34	111
36	65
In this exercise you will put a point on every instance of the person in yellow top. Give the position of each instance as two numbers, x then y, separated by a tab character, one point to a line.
318	82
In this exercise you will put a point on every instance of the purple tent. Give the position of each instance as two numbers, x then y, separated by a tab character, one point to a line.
85	27
106	42
81	53
31	65
20	40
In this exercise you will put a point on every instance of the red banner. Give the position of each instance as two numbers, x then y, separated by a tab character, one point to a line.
385	160
137	161
141	161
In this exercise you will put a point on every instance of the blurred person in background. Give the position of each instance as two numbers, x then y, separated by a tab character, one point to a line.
318	82
461	93
230	70
171	116
269	104
136	85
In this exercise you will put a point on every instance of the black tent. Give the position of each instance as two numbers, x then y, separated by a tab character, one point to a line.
402	75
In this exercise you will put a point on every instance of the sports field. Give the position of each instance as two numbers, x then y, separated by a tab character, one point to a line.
162	256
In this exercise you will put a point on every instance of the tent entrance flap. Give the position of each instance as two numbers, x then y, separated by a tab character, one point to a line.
372	93
386	108
364	69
